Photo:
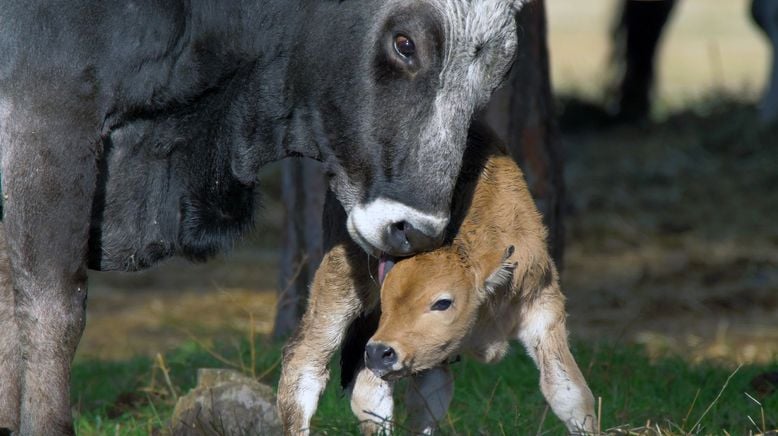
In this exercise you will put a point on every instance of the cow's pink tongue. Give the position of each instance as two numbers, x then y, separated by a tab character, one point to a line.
385	263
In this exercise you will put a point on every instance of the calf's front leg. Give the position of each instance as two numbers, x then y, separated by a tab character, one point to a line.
341	289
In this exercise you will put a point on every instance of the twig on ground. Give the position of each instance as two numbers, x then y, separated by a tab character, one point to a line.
166	373
715	400
686	418
542	421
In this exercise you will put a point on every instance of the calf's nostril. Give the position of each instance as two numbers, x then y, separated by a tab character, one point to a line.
388	355
380	357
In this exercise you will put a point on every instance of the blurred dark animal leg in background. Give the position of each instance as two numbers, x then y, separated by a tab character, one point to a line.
635	40
303	186
765	14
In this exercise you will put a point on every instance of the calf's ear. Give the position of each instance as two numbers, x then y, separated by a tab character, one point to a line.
503	274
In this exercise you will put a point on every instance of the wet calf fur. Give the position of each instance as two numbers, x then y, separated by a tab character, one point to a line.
492	282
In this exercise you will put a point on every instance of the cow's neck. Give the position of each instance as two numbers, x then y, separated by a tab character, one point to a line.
251	29
253	63
265	38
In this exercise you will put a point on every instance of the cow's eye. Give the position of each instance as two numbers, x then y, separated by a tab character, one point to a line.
442	304
404	46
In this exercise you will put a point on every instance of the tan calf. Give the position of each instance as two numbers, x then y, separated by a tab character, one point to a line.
494	281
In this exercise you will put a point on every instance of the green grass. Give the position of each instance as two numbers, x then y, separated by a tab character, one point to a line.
133	397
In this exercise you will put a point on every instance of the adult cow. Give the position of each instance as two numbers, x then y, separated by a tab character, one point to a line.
131	131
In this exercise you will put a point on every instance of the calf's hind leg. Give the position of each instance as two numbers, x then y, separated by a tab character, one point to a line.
10	357
544	335
428	397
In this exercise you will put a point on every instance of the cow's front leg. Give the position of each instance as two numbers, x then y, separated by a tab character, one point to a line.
341	289
428	397
10	358
48	180
544	335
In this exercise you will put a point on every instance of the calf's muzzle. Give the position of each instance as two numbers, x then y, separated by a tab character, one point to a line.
380	358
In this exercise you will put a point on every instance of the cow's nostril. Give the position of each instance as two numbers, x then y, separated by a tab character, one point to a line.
397	237
404	239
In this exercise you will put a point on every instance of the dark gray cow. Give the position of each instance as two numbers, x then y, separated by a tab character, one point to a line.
131	131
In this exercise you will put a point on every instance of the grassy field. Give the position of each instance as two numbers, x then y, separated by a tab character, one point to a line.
639	395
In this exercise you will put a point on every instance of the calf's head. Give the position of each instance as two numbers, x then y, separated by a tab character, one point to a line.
393	85
429	304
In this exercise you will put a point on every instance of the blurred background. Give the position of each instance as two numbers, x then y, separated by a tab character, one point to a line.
670	213
671	221
708	47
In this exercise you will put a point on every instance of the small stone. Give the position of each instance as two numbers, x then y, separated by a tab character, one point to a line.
226	402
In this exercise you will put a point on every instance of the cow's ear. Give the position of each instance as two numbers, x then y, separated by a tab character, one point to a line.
502	275
516	5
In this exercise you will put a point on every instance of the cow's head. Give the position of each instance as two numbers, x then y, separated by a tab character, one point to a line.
393	85
429	304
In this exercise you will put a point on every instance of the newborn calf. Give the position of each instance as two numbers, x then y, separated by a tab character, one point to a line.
492	281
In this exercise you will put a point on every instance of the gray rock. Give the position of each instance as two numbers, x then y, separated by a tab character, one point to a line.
227	403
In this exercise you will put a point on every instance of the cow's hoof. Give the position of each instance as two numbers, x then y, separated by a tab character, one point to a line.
5	431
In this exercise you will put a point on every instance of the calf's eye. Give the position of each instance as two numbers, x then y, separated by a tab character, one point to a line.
404	46
442	304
